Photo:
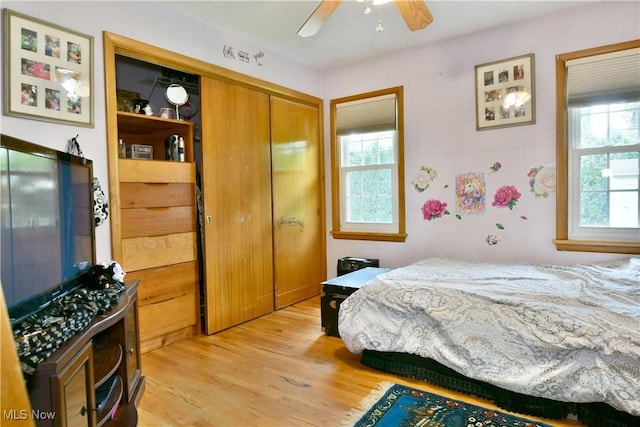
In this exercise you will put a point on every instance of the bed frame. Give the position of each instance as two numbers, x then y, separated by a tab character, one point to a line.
409	365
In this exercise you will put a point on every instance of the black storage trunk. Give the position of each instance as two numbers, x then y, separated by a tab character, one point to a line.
349	264
335	291
330	302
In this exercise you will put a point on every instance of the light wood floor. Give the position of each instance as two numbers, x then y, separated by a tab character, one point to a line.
279	370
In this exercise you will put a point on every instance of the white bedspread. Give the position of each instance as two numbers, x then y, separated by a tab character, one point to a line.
569	333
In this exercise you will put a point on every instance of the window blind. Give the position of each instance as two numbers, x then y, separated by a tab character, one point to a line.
607	78
371	115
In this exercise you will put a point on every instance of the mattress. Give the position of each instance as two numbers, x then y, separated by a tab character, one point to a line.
568	333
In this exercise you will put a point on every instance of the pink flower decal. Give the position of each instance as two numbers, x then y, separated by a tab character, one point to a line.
506	196
495	167
433	209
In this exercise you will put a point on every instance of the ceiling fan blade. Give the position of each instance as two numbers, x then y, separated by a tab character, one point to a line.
415	13
317	18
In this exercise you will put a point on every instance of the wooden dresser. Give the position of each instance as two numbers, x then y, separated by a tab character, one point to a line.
157	218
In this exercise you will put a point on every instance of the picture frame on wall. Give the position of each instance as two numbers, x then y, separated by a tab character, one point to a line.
48	71
505	93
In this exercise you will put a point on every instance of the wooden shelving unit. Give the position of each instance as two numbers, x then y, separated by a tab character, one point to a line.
136	128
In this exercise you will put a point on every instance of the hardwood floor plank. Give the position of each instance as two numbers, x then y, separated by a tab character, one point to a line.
277	370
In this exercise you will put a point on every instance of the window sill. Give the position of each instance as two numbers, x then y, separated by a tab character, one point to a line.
598	246
383	237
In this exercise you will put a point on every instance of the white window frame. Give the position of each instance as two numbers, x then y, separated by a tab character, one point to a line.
577	232
373	227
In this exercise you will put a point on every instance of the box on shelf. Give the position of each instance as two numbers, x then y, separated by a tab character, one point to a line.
138	151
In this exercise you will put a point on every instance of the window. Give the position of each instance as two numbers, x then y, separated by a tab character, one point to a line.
598	150
367	170
367	166
603	165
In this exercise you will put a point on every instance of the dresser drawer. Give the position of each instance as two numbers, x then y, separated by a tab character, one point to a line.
167	316
139	253
163	283
157	221
131	170
153	195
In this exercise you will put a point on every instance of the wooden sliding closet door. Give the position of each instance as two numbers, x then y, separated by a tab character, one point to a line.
297	200
236	182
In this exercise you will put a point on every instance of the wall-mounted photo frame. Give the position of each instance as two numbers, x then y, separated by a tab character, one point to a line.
505	93
48	71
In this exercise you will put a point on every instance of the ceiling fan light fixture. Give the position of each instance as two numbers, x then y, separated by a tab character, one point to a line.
379	28
415	13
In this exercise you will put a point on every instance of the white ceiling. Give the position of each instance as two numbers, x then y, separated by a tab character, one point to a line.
349	35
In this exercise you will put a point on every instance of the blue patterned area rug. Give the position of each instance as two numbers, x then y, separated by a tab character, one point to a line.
401	406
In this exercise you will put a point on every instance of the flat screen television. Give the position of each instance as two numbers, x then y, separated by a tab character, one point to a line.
47	224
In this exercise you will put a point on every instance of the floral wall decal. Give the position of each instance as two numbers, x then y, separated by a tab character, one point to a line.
492	239
471	196
506	197
470	193
424	178
434	209
542	180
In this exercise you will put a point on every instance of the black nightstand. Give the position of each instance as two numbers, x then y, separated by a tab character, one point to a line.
336	290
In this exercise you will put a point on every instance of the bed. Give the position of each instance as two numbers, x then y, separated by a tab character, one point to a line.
546	340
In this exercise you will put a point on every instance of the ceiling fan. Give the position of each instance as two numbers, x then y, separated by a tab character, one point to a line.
414	12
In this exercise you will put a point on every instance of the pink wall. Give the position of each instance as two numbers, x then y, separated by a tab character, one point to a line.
150	23
439	116
440	132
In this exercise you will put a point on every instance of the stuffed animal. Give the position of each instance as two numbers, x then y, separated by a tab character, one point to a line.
108	274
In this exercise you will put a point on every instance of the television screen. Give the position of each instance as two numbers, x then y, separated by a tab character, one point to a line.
47	224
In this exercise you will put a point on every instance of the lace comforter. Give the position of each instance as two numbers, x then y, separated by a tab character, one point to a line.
569	333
